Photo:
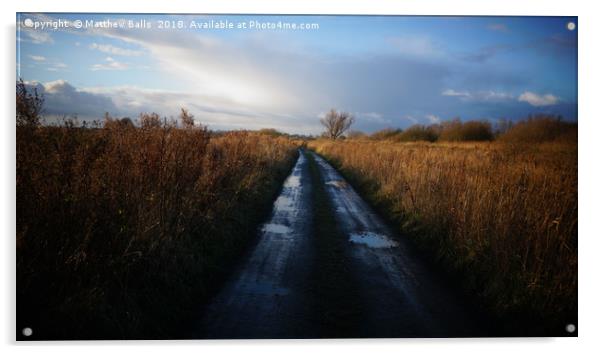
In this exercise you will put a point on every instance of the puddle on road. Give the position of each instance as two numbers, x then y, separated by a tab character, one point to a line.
372	240
293	181
337	183
276	228
284	203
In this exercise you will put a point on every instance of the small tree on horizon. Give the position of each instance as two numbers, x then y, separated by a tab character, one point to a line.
336	123
29	105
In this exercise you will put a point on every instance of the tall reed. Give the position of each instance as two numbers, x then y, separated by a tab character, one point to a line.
122	231
501	217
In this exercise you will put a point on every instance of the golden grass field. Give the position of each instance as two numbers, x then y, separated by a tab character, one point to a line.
500	217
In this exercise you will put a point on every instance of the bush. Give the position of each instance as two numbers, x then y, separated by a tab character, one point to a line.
542	128
270	131
418	133
386	134
456	130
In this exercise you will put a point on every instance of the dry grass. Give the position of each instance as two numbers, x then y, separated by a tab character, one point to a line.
122	231
501	217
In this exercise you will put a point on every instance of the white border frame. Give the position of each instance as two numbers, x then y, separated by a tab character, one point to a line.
589	172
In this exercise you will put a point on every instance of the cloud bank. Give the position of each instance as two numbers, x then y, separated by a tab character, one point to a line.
538	100
270	79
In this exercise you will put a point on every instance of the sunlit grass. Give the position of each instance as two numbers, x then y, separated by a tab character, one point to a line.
502	217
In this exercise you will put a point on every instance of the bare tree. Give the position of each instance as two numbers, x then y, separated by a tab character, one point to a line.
29	105
336	123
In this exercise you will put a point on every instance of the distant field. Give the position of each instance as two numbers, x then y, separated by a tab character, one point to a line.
501	217
122	231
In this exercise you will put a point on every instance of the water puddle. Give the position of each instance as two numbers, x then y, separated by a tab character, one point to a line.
338	183
284	203
276	228
292	181
372	240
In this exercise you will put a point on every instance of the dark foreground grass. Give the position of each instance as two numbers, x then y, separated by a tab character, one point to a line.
122	232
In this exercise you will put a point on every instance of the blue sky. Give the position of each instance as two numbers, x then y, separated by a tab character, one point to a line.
387	71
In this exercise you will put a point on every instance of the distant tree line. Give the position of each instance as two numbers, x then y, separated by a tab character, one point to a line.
337	124
536	128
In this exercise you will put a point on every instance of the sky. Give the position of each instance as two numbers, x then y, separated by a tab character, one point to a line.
284	72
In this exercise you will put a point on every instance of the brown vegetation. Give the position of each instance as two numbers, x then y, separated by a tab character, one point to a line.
122	231
453	130
456	130
500	217
540	129
418	133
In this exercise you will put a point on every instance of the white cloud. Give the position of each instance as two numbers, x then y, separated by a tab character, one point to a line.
110	49
538	100
62	99
37	57
479	96
254	77
50	63
37	36
454	93
433	119
497	96
109	64
242	72
411	119
216	112
264	76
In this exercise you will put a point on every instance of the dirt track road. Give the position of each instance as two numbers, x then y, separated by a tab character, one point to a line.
267	296
272	294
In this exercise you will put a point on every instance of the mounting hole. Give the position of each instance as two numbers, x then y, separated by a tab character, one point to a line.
570	328
571	26
27	331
